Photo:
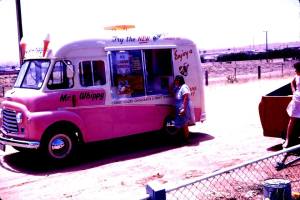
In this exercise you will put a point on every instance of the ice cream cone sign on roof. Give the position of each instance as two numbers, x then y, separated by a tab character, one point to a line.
46	44
23	48
119	27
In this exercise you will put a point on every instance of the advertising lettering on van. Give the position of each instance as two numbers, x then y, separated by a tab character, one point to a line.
183	69
193	90
92	96
139	39
143	39
141	99
65	97
183	54
98	96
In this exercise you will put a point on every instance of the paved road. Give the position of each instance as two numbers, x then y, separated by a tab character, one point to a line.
120	169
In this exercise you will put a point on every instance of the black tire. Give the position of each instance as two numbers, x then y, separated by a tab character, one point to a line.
172	134
59	144
175	135
169	127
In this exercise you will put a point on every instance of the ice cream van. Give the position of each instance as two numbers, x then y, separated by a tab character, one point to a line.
97	89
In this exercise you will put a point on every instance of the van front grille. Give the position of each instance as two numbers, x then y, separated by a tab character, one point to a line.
10	124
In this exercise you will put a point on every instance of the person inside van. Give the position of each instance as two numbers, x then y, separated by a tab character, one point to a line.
184	111
293	110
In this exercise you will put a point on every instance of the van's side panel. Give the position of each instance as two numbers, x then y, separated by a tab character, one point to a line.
138	118
93	109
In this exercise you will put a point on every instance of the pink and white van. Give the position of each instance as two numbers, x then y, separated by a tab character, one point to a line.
97	89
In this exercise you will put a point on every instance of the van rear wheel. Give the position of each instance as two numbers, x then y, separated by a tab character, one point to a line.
173	134
59	144
169	127
176	135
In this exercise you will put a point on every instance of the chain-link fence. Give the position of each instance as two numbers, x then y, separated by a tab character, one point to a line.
244	181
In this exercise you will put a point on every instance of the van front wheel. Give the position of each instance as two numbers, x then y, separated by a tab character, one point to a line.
59	145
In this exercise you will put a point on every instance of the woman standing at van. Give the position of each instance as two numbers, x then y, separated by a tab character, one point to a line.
183	106
293	110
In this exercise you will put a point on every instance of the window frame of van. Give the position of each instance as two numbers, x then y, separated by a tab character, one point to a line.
160	72
92	66
24	70
64	77
168	48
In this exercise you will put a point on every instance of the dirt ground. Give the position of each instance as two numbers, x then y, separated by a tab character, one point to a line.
120	169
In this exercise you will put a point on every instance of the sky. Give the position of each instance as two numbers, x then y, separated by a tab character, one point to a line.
211	24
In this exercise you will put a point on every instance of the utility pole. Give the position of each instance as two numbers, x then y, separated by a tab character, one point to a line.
267	49
20	27
266	41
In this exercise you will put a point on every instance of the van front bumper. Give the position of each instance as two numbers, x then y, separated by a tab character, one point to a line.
5	140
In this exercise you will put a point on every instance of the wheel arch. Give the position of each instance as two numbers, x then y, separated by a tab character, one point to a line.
69	126
41	122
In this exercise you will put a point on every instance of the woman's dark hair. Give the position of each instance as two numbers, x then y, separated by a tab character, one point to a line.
297	66
180	79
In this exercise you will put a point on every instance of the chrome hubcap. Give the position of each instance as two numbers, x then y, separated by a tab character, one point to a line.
60	146
57	144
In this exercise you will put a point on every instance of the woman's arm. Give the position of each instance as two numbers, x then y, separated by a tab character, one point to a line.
293	85
185	103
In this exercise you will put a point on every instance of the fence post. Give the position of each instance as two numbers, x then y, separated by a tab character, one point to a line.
259	72
155	191
206	77
282	69
235	72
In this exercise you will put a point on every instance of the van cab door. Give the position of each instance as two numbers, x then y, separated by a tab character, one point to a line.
91	98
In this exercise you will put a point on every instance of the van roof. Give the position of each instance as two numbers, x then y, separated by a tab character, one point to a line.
123	43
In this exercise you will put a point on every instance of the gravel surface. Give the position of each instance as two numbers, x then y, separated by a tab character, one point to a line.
120	169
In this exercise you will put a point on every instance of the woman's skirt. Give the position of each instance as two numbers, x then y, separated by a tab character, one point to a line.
293	109
188	118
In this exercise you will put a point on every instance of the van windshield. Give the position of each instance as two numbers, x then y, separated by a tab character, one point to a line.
32	74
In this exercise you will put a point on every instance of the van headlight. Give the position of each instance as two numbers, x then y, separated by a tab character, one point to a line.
19	117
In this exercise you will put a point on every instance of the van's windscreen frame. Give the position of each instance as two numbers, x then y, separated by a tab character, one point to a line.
33	73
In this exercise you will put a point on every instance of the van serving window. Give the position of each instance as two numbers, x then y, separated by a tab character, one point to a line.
141	72
92	73
127	74
159	68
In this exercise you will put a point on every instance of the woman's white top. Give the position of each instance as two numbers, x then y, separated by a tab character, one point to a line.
293	108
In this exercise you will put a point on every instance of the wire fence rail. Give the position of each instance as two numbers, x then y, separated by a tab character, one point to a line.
240	71
244	181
